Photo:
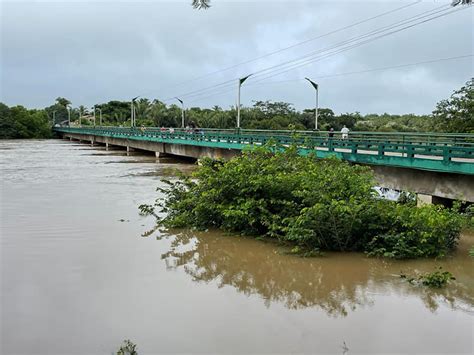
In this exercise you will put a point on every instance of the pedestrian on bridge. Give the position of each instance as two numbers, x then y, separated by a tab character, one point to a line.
345	132
331	133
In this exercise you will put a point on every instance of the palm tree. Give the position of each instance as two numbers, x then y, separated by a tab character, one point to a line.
143	107
83	110
201	4
461	2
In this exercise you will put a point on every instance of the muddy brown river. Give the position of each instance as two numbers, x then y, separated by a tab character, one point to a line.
81	271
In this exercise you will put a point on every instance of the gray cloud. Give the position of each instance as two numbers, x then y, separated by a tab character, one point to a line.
93	52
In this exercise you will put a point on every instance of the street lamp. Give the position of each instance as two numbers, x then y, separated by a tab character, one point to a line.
182	112
54	117
94	114
241	81
69	115
100	116
132	119
316	87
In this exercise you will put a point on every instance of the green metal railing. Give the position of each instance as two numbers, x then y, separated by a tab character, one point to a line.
453	153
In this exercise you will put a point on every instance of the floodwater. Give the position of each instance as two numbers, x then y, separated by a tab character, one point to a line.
81	271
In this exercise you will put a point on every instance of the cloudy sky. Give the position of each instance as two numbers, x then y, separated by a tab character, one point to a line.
95	51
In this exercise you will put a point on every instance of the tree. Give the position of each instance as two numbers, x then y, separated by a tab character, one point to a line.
457	112
18	122
461	2
62	101
201	4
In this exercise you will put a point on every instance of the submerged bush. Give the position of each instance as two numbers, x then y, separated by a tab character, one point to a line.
436	279
316	204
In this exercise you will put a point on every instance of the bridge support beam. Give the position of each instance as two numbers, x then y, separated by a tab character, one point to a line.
440	187
422	199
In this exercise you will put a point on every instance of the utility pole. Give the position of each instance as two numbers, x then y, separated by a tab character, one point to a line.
182	112
94	115
54	117
69	115
316	87
241	81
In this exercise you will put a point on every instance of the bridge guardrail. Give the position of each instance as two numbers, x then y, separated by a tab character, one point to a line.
441	148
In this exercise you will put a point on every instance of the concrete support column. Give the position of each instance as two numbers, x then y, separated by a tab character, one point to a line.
106	146
422	199
160	154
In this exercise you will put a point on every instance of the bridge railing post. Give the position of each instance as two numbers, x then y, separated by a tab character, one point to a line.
446	154
381	149
330	145
354	146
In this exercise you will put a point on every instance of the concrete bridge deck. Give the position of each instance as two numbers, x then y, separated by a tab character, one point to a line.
431	164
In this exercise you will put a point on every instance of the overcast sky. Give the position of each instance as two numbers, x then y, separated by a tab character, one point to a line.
95	51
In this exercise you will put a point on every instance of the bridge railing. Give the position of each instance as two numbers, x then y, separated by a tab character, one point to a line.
445	147
429	138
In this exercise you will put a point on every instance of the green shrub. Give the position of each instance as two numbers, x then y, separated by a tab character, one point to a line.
127	348
316	204
427	231
436	279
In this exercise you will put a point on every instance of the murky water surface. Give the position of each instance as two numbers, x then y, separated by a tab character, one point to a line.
78	277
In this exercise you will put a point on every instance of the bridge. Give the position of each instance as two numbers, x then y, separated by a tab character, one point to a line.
435	166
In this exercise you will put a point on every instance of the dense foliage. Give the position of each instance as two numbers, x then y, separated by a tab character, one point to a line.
19	122
311	203
455	114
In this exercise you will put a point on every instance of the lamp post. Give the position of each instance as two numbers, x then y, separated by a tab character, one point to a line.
182	112
132	119
241	81
69	115
54	117
316	87
94	114
100	116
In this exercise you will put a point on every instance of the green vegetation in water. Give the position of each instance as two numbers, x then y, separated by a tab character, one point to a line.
436	279
471	252
127	348
305	253
315	204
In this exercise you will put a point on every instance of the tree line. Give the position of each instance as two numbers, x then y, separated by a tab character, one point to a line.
454	114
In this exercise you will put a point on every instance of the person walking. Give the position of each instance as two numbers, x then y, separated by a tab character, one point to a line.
331	133
345	132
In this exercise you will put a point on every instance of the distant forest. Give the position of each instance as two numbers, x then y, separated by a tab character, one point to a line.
454	114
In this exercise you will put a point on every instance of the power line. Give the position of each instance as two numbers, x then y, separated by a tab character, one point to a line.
347	73
366	71
313	56
295	45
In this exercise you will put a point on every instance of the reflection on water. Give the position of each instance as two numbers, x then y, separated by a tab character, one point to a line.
337	283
